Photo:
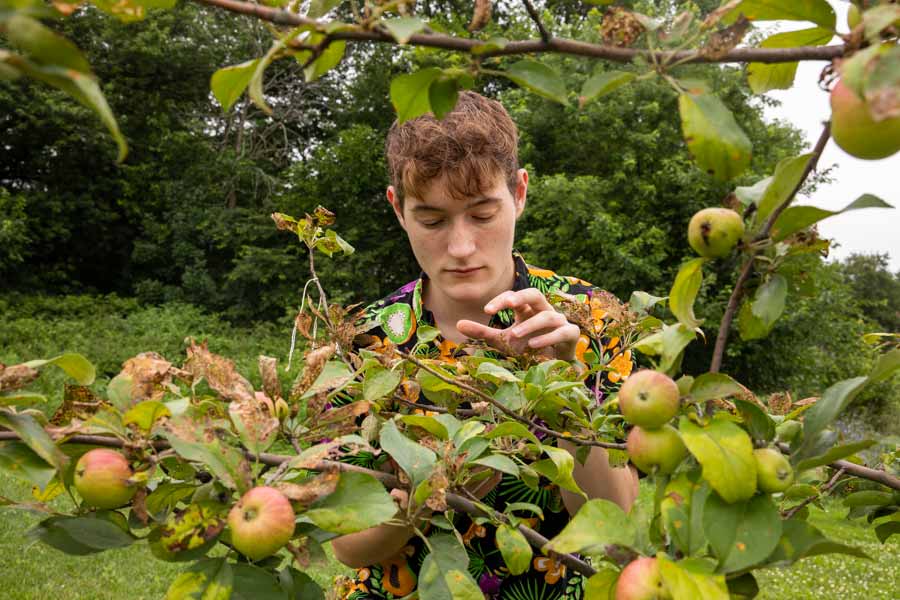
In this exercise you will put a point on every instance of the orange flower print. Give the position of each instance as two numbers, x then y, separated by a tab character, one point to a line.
540	272
552	570
582	346
473	532
620	367
447	347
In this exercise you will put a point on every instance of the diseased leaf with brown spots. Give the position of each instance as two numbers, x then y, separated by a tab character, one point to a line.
188	533
620	27
255	422
78	403
725	40
481	16
780	403
219	373
16	376
151	376
309	491
315	361
268	371
195	439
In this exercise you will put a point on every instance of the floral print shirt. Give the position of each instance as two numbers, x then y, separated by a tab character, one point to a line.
397	318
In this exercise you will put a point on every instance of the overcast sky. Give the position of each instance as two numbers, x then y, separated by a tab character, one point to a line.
868	230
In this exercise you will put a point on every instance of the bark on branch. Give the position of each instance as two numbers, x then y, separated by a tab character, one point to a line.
553	45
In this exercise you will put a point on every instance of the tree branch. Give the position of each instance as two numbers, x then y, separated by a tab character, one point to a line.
510	413
554	45
825	489
747	269
545	35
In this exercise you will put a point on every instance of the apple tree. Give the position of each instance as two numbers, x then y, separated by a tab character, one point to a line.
245	485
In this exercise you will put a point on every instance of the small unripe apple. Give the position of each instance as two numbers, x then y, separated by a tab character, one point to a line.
261	523
788	431
661	449
102	478
854	129
282	410
648	399
773	471
713	232
641	580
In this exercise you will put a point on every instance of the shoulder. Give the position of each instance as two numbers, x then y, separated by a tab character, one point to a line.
395	316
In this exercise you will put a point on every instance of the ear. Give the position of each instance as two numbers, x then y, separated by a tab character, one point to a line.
521	191
391	194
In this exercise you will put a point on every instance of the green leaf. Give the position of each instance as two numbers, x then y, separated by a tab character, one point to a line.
330	57
833	454
681	511
741	534
514	548
760	424
499	462
447	556
603	83
430	424
81	535
224	461
788	174
886	530
539	79
597	524
32	434
714	138
319	8
684	292
885	366
229	83
817	11
495	373
711	386
416	460
166	496
379	383
833	401
359	502
253	583
799	540
668	344
43	45
403	28
686	580
726	453
797	218
764	77
443	94
120	391
188	534
208	579
22	399
80	86
512	429
299	586
565	465
20	460
869	498
768	302
878	18
409	93
601	585
493	44
75	365
145	414
750	326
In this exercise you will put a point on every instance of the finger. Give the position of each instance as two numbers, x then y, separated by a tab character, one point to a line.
567	334
544	320
529	297
477	331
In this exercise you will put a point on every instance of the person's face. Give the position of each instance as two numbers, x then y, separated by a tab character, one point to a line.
464	246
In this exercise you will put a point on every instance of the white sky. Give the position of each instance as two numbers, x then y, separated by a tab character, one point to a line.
868	230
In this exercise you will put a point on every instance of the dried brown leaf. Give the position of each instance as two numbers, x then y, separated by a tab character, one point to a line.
308	492
315	361
79	402
481	16
219	372
620	27
151	376
16	376
268	371
780	403
715	16
725	40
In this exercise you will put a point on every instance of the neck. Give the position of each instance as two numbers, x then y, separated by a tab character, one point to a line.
448	311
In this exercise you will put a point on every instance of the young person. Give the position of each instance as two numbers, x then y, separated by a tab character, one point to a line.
457	191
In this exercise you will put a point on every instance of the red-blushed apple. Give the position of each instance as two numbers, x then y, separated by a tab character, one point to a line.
660	449
713	232
261	522
648	399
854	129
773	471
641	580
102	478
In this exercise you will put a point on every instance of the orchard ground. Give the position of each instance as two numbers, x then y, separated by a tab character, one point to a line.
109	329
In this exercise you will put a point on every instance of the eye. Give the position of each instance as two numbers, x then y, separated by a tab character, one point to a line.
483	218
432	224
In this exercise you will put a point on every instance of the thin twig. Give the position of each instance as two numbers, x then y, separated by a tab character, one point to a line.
545	35
824	490
555	45
746	270
510	413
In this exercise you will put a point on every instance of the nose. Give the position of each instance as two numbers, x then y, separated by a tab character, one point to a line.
461	243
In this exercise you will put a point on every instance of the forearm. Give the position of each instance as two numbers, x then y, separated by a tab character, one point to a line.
600	480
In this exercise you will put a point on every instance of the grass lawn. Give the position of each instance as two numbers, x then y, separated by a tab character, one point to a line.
35	571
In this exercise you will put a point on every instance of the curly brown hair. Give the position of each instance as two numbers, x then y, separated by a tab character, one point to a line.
471	145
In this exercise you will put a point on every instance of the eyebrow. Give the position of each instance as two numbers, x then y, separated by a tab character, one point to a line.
423	207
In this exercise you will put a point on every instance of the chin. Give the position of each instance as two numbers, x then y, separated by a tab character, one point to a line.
466	292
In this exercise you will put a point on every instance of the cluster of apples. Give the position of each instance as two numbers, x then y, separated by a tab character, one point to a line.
261	522
649	400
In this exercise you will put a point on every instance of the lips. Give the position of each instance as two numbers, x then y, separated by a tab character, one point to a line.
467	271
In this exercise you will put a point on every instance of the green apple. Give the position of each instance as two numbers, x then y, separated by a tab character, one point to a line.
788	431
660	449
713	232
773	471
261	523
854	129
103	478
641	580
648	399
